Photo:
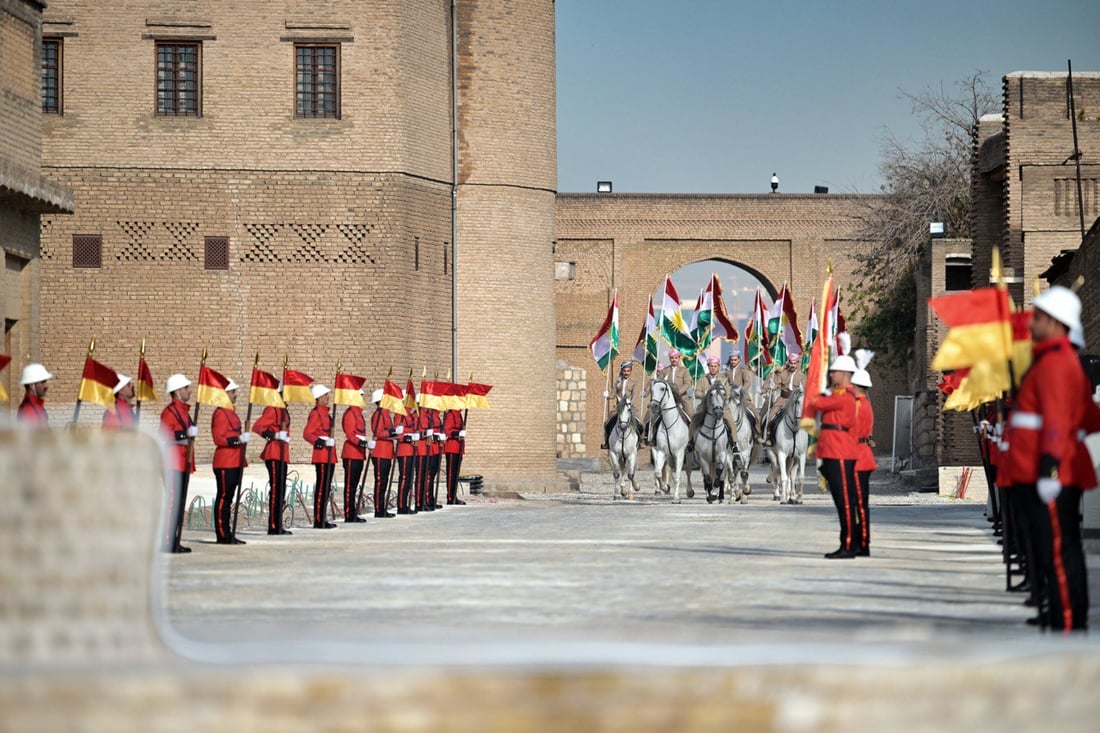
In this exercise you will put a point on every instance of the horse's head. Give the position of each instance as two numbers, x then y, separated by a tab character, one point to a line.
625	411
659	393
715	398
794	404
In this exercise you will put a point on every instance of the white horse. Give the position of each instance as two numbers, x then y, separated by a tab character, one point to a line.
670	439
788	454
744	431
622	445
714	445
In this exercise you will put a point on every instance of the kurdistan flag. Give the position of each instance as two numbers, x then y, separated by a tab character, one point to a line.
605	344
810	336
645	351
757	355
783	332
674	330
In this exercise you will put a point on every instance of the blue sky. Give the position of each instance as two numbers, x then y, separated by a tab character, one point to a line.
712	96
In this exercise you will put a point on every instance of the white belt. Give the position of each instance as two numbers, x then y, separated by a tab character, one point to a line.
1026	420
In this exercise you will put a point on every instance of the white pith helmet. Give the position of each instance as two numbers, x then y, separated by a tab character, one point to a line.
318	390
843	363
1061	304
1077	337
231	386
34	373
376	396
123	380
176	381
861	378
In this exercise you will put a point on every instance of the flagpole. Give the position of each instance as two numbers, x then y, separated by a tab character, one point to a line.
76	410
195	417
244	448
137	409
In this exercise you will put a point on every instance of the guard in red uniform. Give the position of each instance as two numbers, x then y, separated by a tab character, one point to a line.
274	427
406	428
423	460
318	433
230	440
836	450
122	417
1047	463
865	457
32	410
178	431
354	456
455	446
381	454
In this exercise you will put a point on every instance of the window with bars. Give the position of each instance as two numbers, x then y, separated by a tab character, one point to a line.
217	253
51	75
179	79
317	80
87	251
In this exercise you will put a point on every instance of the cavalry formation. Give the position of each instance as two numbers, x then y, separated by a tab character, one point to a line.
722	441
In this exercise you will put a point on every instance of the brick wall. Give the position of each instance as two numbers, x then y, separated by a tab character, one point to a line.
21	110
572	399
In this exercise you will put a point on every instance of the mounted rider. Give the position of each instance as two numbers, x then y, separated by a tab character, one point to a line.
780	386
625	387
683	388
709	380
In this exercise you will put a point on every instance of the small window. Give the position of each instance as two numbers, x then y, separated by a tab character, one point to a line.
179	79
317	75
51	75
416	253
87	251
217	253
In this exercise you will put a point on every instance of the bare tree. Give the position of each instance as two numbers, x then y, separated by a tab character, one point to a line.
925	182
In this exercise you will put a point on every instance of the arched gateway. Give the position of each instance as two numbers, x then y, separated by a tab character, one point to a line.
630	242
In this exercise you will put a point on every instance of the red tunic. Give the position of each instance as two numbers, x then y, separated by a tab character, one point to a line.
381	425
225	428
174	421
865	427
405	444
274	420
435	427
32	412
838	422
120	418
1053	411
319	425
452	426
355	425
423	425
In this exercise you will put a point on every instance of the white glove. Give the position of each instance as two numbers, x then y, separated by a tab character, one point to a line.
399	429
330	442
371	444
606	394
193	431
245	437
462	433
283	436
440	436
1048	489
430	432
414	436
361	437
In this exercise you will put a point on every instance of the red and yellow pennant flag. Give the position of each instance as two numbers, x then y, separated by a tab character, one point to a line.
410	396
433	395
143	385
296	386
979	337
4	361
1021	345
455	398
477	395
347	390
264	390
817	376
97	384
392	399
211	389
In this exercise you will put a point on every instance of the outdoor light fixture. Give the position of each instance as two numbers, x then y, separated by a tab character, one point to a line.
603	186
775	183
937	229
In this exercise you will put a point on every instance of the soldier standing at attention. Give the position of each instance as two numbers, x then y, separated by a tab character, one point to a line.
178	431
32	410
354	456
453	448
318	433
381	454
122	417
423	458
837	453
405	429
1047	464
230	440
435	455
274	427
865	461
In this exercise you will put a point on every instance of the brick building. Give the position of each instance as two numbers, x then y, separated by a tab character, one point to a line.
25	194
289	178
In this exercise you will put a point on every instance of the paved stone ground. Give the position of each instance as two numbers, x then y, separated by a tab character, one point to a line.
582	578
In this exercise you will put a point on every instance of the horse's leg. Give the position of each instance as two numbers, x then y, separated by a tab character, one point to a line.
675	465
658	469
632	463
773	475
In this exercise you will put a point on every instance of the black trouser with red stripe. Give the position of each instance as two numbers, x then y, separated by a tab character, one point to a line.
454	465
321	492
423	488
226	480
276	476
406	475
841	477
1055	534
433	475
864	479
177	506
353	470
382	468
